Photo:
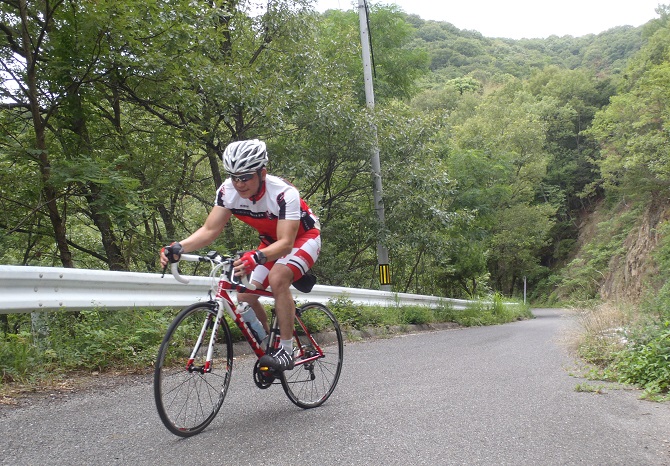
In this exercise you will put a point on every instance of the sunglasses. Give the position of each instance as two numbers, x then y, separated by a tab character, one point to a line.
243	178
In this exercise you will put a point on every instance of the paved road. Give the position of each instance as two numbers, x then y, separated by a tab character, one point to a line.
477	396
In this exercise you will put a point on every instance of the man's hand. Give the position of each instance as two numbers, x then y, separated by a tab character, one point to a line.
248	262
171	254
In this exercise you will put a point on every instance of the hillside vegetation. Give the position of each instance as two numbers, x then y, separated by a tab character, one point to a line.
504	161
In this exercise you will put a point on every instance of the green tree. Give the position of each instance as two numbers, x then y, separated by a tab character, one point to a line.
505	140
520	233
420	218
397	65
25	52
633	130
85	151
570	99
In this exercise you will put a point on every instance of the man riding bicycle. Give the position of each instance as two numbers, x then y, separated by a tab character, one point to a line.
289	232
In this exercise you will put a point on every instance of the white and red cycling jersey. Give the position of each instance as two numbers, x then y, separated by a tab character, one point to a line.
277	200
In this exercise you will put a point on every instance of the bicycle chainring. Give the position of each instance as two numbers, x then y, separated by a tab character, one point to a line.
262	379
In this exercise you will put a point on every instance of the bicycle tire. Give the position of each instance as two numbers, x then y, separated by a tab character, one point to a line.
188	400
310	384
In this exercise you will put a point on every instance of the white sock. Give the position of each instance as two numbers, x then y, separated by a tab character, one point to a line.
287	345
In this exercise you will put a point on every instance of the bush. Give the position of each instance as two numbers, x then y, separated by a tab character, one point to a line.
18	356
646	359
417	315
357	316
102	339
492	311
581	279
627	347
87	340
444	312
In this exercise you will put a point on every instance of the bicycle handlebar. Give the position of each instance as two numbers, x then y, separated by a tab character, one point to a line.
174	268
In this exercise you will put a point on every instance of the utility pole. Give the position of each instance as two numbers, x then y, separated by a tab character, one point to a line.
382	251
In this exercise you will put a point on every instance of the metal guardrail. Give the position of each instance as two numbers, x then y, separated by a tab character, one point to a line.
29	289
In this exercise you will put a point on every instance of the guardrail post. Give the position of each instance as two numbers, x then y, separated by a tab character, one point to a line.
39	326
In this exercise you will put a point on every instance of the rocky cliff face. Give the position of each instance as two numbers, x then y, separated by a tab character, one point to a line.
627	276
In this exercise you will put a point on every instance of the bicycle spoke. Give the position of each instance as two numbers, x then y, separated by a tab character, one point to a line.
317	370
187	400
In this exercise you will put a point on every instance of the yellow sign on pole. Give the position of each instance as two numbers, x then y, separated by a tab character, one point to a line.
384	274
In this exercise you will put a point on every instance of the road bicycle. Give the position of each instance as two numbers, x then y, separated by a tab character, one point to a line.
195	359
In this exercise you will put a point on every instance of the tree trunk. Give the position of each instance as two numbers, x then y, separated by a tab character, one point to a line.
39	125
93	191
213	157
103	223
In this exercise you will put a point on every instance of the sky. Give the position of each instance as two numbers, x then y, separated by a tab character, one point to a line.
517	19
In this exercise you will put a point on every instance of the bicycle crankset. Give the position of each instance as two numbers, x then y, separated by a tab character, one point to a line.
262	379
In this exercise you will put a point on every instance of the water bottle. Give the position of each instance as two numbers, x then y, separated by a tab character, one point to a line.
249	316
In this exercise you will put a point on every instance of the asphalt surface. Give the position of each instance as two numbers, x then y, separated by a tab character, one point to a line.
475	396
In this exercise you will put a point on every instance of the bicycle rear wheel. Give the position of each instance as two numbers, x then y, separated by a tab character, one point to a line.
318	357
189	393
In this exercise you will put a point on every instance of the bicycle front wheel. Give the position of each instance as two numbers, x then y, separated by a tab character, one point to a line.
188	389
318	357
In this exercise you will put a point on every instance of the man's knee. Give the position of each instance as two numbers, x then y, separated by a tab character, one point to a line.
281	276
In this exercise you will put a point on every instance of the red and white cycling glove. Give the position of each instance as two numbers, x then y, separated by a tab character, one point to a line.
251	259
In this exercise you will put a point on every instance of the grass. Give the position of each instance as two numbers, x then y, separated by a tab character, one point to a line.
99	341
627	347
588	388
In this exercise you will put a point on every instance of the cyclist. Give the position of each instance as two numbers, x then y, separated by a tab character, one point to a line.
289	233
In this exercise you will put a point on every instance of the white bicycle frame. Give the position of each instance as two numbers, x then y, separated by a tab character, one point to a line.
223	305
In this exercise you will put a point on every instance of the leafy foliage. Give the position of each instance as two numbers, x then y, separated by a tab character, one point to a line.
145	96
83	341
633	352
113	115
580	280
128	340
646	360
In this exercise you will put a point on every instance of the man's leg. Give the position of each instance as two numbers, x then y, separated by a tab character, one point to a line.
257	306
305	252
281	277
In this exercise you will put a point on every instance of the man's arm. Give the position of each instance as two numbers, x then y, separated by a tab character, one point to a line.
287	230
208	232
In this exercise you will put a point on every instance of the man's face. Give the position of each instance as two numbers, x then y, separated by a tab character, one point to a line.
247	184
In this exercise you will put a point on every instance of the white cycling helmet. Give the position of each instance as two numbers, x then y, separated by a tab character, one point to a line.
245	156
